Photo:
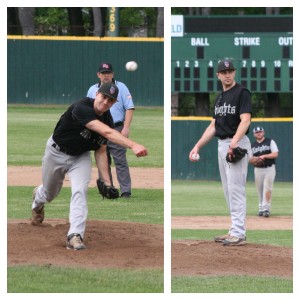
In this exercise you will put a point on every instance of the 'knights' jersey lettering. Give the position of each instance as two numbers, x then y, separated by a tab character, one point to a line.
225	109
229	106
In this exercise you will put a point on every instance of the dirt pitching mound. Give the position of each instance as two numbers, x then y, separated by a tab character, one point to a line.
109	245
211	258
190	257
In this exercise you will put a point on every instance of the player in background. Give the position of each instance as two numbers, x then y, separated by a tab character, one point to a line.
122	114
265	151
230	124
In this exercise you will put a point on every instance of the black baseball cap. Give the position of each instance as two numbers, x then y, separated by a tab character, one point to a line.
225	64
110	90
105	67
257	129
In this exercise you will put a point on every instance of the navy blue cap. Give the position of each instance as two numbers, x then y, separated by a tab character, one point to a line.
225	64
110	90
105	67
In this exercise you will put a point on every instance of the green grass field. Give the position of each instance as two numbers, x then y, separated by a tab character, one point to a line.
230	284
145	206
29	127
69	280
28	130
206	199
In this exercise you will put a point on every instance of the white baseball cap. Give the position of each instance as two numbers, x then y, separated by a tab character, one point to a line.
257	129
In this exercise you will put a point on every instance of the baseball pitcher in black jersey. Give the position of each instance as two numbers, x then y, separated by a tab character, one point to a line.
85	126
230	124
265	151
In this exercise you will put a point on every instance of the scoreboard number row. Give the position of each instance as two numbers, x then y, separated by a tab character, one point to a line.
245	63
258	75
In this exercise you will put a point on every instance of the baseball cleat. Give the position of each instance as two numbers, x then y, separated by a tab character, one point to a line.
75	242
38	213
126	195
221	238
266	213
260	214
234	241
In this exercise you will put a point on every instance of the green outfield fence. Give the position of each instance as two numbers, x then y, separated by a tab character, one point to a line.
187	130
59	70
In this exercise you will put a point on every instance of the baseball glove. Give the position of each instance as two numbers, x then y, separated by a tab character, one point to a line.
107	191
257	162
237	154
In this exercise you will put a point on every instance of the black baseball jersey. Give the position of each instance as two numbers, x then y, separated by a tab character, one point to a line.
229	105
70	132
262	148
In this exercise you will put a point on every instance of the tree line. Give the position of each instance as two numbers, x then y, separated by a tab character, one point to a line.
84	21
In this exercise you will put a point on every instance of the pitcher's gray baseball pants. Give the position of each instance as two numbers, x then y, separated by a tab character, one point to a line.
79	168
233	176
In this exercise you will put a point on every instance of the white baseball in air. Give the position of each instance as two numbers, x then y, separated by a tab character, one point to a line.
131	66
196	156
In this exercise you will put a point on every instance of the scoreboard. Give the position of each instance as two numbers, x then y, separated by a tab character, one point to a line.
261	49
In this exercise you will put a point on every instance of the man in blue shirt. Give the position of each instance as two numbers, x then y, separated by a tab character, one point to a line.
122	114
